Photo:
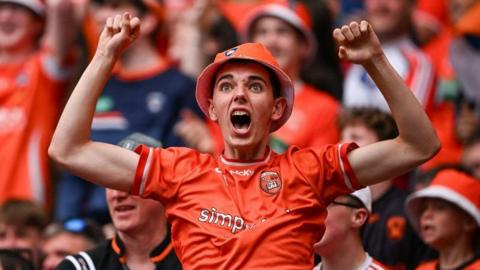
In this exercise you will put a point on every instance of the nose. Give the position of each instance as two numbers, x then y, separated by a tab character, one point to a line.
240	95
117	194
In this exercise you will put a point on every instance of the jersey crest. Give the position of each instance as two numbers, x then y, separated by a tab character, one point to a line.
270	182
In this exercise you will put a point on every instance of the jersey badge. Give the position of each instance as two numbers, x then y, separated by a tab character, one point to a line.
270	182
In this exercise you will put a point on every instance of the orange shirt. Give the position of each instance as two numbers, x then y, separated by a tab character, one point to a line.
29	108
432	265
262	214
312	123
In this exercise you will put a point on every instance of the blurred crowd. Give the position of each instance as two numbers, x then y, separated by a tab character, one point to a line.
426	219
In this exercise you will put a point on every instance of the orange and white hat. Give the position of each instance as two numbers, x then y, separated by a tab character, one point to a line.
450	185
37	6
254	52
295	14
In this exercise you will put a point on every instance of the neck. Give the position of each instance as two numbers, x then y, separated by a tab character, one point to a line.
249	152
142	56
379	189
17	55
351	247
455	254
139	244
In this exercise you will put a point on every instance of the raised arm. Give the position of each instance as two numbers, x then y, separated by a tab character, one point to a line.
104	164
417	141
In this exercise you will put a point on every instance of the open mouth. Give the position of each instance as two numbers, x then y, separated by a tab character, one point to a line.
124	208
240	120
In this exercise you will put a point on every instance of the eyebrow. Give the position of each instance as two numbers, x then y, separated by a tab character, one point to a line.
250	78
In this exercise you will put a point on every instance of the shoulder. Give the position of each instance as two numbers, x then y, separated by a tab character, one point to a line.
309	91
87	260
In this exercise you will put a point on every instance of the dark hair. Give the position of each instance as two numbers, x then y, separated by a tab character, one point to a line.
23	213
374	119
274	80
142	8
14	260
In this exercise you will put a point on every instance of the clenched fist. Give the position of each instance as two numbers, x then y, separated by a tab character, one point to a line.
119	32
358	42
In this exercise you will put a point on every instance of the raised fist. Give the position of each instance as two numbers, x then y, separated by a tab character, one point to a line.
119	32
358	42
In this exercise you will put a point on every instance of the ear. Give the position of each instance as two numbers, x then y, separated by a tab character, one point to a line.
469	224
211	111
359	217
149	24
279	107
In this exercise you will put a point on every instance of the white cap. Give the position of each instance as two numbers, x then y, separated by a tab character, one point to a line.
365	196
36	6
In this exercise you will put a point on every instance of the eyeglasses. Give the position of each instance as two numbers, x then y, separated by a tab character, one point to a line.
351	205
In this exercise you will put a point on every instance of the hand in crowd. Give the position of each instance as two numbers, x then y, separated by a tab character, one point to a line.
194	132
358	42
118	34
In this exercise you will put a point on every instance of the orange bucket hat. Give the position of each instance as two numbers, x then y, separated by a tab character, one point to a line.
452	186
254	52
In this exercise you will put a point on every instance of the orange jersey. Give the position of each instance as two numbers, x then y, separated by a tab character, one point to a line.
312	123
433	265
261	214
29	108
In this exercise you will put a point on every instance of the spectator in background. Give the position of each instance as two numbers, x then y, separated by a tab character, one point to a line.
36	61
21	225
391	19
145	94
347	215
447	216
471	157
143	235
387	236
68	238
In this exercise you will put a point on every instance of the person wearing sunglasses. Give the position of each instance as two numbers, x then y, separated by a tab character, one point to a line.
346	216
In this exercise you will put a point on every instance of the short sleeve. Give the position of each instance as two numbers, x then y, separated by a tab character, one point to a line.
160	172
327	169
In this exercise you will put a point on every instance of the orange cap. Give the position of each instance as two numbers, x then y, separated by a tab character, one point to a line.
257	53
37	6
296	15
450	185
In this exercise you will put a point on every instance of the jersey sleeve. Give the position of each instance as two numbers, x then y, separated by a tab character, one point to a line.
160	172
327	169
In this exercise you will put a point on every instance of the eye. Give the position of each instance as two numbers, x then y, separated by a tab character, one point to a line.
256	87
225	87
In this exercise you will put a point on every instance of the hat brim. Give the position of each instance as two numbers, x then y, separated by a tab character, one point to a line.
284	14
205	83
414	202
34	6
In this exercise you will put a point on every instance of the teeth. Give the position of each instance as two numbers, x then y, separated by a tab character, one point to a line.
239	113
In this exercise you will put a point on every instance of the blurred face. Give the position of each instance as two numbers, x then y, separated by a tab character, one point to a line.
282	40
471	159
102	12
441	223
18	26
339	222
19	238
359	134
457	8
243	105
56	248
132	213
389	18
